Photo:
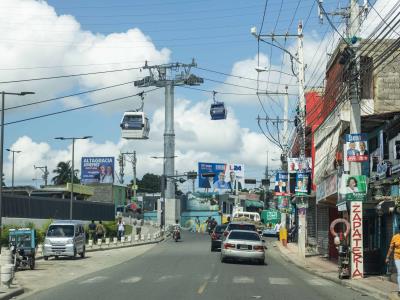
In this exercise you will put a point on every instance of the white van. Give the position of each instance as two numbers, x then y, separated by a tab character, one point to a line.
249	215
64	238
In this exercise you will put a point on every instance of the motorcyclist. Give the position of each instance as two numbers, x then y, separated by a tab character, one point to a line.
209	222
177	230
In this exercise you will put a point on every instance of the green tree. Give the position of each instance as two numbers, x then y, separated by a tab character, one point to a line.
63	174
150	183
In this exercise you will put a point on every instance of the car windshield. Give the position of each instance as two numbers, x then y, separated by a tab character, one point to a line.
220	228
250	227
242	235
60	231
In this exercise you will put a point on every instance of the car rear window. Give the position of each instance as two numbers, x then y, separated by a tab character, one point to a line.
240	235
250	227
220	228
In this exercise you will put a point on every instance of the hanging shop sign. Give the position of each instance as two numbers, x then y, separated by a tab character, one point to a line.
357	147
357	259
353	188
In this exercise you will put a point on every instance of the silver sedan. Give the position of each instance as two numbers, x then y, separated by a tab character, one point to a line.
243	244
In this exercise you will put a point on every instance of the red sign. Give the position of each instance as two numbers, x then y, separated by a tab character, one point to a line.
357	251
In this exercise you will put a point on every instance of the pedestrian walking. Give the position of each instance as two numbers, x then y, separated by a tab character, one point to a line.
100	230
277	230
395	247
121	229
92	231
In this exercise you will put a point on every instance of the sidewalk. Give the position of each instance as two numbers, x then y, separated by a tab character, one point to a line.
375	286
155	237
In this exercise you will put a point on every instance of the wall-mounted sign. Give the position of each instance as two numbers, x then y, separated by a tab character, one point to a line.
357	147
353	188
356	221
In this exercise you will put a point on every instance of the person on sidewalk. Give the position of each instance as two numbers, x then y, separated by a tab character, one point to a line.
92	231
293	232
395	247
277	229
121	228
100	230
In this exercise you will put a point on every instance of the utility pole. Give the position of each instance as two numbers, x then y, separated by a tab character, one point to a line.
133	161
121	163
45	175
13	163
356	207
134	174
162	76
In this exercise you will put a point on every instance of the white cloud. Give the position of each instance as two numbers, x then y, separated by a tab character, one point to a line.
197	139
33	34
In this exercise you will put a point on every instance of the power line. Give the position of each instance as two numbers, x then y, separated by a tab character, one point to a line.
79	108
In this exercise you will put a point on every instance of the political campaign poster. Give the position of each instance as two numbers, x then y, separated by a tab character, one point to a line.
357	147
281	183
353	187
221	177
295	164
302	183
97	170
283	203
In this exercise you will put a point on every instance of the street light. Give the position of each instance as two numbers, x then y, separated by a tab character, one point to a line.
3	94
12	176
72	166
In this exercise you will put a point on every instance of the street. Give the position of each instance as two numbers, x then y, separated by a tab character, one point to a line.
188	270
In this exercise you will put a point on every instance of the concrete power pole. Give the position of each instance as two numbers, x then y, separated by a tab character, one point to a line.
121	163
161	76
302	231
285	146
134	160
45	175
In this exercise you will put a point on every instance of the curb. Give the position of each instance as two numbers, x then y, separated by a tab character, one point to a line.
107	248
377	294
11	294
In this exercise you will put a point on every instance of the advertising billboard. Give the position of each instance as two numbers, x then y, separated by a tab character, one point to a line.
295	164
353	188
281	183
97	170
202	202
357	147
220	176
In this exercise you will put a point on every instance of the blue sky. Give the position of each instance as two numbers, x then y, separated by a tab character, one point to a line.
86	36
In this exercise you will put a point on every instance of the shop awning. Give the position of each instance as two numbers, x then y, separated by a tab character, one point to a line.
254	203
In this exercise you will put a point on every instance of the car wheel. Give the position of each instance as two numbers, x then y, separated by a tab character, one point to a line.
45	257
56	257
212	249
83	252
261	262
75	253
223	259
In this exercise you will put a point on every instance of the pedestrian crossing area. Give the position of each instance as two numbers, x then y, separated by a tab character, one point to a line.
236	280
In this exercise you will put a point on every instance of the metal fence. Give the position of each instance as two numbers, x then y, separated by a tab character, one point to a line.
16	206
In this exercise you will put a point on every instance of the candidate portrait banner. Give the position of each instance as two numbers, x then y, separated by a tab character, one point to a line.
353	187
281	183
295	164
97	170
357	147
302	182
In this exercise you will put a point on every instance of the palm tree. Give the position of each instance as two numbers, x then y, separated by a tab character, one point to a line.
63	174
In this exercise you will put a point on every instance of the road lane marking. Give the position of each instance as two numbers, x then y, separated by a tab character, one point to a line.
279	281
319	282
215	279
242	279
165	278
94	280
133	279
202	287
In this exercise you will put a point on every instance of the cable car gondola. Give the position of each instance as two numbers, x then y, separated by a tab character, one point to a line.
135	125
217	109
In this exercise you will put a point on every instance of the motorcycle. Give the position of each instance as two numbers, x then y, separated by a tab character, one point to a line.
22	246
176	233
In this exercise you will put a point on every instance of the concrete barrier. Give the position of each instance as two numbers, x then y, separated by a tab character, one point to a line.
115	241
108	242
136	238
129	239
6	274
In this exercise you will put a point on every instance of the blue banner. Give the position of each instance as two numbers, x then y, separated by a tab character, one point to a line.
97	170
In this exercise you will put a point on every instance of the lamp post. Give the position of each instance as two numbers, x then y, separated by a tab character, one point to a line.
3	94
12	173
73	139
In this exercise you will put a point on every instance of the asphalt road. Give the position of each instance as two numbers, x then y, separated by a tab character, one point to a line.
188	270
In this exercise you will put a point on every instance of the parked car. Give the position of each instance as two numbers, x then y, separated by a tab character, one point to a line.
64	238
239	226
269	232
243	244
216	237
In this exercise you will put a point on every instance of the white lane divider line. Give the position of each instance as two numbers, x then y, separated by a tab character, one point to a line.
215	279
94	280
242	279
165	278
279	281
319	282
133	279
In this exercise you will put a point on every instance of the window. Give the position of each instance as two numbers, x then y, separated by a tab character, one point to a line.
240	235
61	231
